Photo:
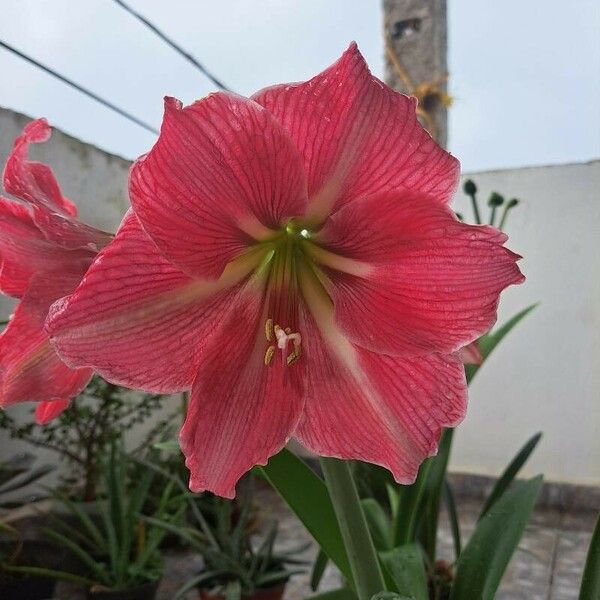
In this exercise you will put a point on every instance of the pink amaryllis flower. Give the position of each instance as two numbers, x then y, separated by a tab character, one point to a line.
293	260
44	253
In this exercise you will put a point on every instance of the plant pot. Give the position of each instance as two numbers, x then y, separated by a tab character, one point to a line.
147	591
26	588
272	593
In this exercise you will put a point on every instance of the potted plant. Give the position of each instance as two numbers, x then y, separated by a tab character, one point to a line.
237	563
118	554
15	475
81	436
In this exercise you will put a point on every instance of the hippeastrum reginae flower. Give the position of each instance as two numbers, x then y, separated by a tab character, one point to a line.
293	260
44	253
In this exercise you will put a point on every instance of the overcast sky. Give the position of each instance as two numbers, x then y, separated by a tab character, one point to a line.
525	74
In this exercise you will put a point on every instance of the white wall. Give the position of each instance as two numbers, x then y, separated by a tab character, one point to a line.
546	375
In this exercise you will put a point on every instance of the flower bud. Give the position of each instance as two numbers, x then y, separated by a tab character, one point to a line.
495	199
469	187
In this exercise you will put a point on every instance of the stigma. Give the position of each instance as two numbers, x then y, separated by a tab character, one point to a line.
286	341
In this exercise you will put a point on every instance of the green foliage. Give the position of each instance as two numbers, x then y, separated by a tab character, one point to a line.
221	531
82	434
114	543
483	562
16	474
306	494
590	582
487	343
511	472
405	566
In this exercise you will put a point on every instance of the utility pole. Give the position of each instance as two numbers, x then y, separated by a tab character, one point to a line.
415	38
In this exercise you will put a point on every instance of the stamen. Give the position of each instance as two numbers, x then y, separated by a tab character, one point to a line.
269	330
269	355
283	337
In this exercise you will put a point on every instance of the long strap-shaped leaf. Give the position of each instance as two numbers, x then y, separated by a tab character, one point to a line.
590	583
487	343
511	472
306	494
483	561
433	489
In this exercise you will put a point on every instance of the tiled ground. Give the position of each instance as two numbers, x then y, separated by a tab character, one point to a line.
547	565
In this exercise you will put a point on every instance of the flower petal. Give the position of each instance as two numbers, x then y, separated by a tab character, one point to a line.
241	411
29	367
222	173
428	283
32	181
471	354
136	318
47	411
379	409
358	137
25	250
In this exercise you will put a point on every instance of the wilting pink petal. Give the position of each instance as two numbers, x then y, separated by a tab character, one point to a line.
49	410
471	354
222	174
376	408
44	254
428	283
241	412
358	137
33	181
25	250
29	367
142	322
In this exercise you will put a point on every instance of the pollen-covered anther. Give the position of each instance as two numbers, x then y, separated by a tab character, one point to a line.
283	337
269	355
269	330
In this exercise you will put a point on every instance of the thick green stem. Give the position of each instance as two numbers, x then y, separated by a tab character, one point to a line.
364	563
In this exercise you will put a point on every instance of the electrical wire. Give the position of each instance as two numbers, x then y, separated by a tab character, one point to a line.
78	87
172	44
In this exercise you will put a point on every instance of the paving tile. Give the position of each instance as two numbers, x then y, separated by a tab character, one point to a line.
571	552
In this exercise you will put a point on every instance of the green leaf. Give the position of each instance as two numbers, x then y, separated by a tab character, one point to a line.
590	583
379	524
391	596
410	497
433	493
339	594
483	561
487	343
406	568
511	472
170	446
25	479
96	567
51	573
453	516
318	570
306	494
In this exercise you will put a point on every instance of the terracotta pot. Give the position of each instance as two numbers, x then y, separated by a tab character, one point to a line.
272	593
147	591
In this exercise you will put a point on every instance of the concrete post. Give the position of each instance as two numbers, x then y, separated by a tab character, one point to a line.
415	42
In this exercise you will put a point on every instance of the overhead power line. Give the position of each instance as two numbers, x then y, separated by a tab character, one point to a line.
173	44
78	87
